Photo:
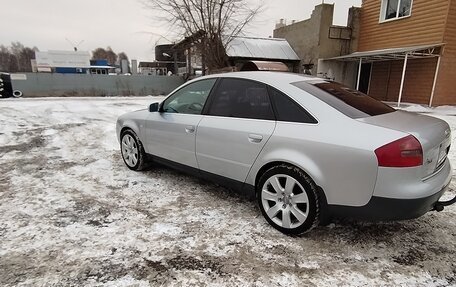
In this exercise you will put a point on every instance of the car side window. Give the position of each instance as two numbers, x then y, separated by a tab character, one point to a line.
240	98
288	110
190	99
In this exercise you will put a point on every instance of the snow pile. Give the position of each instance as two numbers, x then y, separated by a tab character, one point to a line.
73	215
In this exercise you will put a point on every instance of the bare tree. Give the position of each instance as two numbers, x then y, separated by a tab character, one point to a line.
215	22
122	56
5	59
25	57
16	58
105	54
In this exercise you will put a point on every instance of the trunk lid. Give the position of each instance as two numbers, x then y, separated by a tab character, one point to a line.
433	134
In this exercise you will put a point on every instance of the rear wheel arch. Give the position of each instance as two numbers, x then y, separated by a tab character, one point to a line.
324	213
290	208
265	167
272	164
290	156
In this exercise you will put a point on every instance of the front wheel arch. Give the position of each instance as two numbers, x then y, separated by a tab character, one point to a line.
142	161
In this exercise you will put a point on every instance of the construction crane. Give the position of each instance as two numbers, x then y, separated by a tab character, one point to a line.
74	45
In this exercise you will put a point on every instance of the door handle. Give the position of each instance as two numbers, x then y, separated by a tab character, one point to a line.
190	129
255	138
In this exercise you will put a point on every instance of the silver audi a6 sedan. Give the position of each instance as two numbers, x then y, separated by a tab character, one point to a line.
309	149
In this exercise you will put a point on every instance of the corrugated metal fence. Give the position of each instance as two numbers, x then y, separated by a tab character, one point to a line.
83	85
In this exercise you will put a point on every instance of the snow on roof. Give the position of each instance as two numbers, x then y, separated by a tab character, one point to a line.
101	67
64	59
261	48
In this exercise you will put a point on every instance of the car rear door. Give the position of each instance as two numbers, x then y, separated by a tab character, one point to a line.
171	131
238	122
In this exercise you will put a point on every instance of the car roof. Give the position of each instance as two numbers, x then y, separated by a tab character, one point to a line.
267	76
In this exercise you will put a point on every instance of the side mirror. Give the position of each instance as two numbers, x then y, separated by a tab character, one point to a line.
154	107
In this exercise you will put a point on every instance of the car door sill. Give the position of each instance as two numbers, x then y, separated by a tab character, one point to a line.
241	188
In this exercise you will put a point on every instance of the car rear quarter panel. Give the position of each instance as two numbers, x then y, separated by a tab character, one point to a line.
433	134
338	155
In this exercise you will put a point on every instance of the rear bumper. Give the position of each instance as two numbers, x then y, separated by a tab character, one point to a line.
405	183
384	209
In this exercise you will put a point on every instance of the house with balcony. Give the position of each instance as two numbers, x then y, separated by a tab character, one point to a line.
406	51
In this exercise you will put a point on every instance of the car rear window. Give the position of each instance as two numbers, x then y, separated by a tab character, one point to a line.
350	102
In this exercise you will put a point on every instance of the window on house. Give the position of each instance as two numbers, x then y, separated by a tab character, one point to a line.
395	9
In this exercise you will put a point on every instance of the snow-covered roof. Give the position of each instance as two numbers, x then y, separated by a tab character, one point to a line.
261	48
64	59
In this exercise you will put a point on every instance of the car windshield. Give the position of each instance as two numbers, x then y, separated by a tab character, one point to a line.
350	102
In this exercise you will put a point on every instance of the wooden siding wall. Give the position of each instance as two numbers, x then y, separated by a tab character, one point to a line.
445	92
379	83
418	80
386	80
425	26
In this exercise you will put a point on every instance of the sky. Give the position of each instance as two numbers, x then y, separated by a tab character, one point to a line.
125	25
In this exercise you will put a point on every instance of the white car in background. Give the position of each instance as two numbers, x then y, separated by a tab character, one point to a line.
306	147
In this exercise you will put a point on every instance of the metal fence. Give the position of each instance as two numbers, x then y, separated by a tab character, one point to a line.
84	85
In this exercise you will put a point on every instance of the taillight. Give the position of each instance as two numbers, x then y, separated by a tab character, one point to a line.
405	152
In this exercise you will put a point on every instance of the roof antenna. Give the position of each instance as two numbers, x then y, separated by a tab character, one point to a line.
74	45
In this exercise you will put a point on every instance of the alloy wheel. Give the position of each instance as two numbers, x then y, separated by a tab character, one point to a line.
130	150
285	201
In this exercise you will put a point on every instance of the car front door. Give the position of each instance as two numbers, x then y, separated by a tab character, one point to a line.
238	121
171	131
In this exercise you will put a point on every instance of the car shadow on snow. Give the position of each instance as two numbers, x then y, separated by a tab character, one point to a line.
345	230
380	231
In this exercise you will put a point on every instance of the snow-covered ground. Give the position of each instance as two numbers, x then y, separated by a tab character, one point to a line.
71	214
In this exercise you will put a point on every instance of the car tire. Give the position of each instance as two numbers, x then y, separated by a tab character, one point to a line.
17	94
132	150
288	199
2	89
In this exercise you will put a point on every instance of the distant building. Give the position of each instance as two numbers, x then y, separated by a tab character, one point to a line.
54	61
167	60
153	68
124	66
317	38
406	51
193	57
134	67
69	62
401	50
100	67
241	51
